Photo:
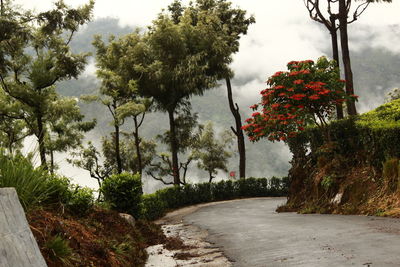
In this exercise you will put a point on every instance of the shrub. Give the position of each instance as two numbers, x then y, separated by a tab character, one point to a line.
81	200
32	184
123	192
61	192
152	207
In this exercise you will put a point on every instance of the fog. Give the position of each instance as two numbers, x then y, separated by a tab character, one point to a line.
283	32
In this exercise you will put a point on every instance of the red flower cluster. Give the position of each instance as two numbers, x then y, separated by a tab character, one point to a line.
307	90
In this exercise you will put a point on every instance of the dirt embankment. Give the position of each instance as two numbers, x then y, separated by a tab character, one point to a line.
332	185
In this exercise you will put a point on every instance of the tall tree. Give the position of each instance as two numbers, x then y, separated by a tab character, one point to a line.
330	22
38	56
121	89
339	17
172	67
230	24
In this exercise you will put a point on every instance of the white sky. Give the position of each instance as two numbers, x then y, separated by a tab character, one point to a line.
282	32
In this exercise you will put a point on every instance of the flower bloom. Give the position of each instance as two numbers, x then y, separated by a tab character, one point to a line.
314	97
287	106
298	96
254	106
298	82
255	114
274	106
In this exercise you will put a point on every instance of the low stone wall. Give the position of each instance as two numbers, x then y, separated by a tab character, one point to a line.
18	247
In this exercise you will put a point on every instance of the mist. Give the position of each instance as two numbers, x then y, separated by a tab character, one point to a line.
283	32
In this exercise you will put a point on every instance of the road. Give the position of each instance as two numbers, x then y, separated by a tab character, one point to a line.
252	234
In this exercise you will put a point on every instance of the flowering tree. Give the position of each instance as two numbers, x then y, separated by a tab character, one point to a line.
307	93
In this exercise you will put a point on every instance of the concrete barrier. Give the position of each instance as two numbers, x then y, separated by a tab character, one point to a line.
18	247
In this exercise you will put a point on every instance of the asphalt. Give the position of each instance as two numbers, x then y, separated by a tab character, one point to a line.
252	234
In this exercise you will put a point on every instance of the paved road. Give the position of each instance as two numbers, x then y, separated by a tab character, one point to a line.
252	234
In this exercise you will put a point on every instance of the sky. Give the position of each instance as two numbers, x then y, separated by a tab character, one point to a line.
283	32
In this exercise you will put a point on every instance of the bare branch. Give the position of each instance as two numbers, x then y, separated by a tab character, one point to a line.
142	119
359	10
159	179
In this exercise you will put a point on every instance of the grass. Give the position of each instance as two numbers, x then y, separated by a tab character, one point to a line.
59	250
32	184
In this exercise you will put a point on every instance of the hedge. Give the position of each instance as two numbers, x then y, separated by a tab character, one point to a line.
154	206
376	134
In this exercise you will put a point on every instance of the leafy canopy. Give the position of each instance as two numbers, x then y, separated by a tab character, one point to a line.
307	93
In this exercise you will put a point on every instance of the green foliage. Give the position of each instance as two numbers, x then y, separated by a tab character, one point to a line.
81	200
33	185
33	60
385	116
327	182
59	250
305	94
376	133
212	153
155	205
88	158
152	207
128	153
123	191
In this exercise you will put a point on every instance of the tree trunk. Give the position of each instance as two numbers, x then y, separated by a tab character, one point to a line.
238	131
40	136
117	145
51	161
335	55
137	145
174	147
211	177
117	149
344	41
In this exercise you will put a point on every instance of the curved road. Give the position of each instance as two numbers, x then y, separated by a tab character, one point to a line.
252	234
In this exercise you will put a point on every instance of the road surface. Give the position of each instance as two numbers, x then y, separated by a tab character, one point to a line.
252	234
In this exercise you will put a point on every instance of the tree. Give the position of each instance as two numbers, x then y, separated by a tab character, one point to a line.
330	23
211	152
13	128
307	93
36	58
128	152
338	12
121	90
89	158
137	109
173	66
230	23
187	135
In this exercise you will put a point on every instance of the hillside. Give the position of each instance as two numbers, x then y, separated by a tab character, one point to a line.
356	172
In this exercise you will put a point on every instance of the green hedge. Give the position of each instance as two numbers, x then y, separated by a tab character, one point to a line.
376	134
154	206
123	192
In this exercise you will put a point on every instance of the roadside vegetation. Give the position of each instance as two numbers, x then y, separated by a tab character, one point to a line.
341	164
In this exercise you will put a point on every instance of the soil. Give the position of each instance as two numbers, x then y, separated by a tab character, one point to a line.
100	238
